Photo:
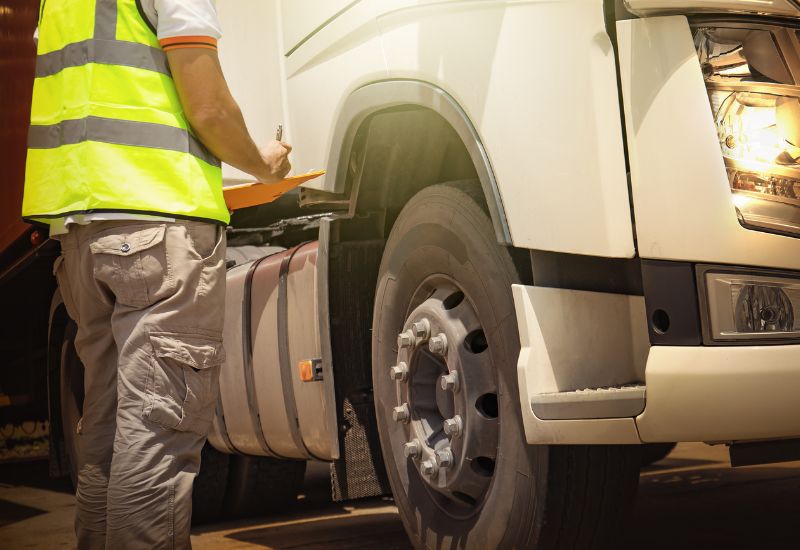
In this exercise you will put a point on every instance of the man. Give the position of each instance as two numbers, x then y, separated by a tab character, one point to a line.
130	114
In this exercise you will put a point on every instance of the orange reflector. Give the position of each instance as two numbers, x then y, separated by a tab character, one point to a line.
306	370
37	238
310	370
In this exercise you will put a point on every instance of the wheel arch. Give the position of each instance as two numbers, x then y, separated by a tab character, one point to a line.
392	139
368	159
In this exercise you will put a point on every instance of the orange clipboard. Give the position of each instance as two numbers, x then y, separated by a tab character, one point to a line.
253	194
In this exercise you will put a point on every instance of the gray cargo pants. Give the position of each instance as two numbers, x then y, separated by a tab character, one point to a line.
148	299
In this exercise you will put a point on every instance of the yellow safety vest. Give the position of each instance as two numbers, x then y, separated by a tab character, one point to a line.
108	133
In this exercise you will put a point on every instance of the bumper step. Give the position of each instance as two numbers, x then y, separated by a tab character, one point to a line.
609	402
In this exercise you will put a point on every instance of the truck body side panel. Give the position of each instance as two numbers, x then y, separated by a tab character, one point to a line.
17	60
549	123
331	64
250	53
538	81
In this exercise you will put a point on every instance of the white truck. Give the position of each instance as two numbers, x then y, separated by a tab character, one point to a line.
549	233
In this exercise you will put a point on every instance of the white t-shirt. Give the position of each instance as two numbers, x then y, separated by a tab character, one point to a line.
183	23
178	24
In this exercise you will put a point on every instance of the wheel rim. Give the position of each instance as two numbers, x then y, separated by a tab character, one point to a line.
446	398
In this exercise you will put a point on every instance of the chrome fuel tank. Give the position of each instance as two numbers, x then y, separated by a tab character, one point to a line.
275	316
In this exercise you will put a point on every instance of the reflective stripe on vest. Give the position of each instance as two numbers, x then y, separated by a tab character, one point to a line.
107	129
106	52
120	132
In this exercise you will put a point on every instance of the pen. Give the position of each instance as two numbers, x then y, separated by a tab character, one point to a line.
279	133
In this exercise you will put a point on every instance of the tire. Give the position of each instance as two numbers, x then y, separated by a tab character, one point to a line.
208	492
654	452
261	485
209	485
71	397
442	263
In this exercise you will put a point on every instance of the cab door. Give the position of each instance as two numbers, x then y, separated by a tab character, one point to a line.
251	55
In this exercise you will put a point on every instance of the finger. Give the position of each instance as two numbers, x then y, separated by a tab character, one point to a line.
286	146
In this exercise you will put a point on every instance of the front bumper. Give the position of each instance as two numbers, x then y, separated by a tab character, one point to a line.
721	393
575	339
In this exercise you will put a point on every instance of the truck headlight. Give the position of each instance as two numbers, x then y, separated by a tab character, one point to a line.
744	306
755	99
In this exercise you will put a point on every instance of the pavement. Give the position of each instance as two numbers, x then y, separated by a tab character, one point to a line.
691	500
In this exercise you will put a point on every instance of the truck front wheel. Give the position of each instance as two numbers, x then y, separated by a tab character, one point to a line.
445	347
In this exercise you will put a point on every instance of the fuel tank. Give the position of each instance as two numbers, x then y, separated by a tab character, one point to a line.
276	319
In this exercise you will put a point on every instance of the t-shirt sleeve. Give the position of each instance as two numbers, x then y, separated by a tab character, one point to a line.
187	24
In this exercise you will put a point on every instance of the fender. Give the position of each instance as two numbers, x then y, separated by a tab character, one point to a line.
386	94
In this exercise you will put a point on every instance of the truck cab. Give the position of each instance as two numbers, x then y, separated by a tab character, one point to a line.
548	234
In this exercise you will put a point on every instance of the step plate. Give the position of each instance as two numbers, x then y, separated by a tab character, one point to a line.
611	402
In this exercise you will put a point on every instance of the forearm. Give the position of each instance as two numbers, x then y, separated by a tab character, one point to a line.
225	134
216	118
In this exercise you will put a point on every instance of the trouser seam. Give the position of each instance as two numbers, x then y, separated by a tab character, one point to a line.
171	519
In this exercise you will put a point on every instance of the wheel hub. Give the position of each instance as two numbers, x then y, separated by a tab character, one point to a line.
446	397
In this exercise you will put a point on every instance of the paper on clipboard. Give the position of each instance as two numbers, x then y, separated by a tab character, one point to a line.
253	194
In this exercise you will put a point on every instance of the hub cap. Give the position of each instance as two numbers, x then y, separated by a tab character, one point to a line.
445	380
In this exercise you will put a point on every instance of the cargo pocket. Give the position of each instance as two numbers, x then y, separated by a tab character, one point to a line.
134	264
182	391
204	239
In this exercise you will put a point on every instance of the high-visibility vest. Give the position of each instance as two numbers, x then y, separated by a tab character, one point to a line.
108	133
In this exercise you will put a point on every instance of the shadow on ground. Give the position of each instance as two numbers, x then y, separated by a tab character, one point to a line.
691	501
32	473
378	531
687	506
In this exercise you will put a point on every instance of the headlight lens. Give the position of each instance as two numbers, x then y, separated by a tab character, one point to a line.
742	306
755	99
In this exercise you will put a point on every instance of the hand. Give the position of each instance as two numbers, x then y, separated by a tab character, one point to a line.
276	162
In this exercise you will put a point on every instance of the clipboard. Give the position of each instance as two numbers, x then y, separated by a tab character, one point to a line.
252	194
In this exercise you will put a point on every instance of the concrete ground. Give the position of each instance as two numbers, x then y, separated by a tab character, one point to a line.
691	500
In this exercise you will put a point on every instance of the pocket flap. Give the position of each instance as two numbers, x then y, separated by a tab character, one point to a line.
127	243
193	350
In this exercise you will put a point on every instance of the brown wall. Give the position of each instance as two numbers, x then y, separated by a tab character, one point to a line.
17	59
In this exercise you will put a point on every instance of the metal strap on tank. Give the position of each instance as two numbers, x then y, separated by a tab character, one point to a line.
104	52
247	361
283	352
119	132
223	428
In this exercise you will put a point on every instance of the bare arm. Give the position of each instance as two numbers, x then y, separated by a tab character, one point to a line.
216	118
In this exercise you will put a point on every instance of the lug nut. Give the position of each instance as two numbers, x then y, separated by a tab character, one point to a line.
412	449
438	344
401	413
399	372
454	426
428	468
449	382
444	458
421	329
406	339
